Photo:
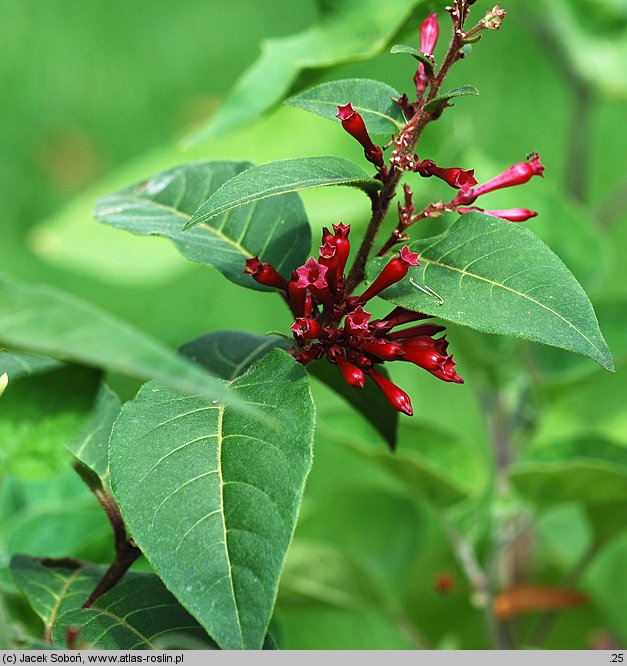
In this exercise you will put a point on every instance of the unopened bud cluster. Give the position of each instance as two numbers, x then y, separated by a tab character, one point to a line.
333	325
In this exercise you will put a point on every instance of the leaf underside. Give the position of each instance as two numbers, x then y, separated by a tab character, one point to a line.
274	229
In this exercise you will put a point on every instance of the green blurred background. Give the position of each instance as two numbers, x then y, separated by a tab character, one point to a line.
95	96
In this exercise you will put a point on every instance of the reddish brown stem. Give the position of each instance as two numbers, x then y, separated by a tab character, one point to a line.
126	552
411	132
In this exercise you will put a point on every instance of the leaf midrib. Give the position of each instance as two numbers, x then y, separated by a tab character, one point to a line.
220	439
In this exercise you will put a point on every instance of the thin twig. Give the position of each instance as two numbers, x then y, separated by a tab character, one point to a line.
126	552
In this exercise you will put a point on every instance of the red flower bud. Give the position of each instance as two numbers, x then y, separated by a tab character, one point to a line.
461	179
297	296
417	331
306	328
353	375
386	351
265	274
395	270
429	33
395	396
513	214
397	317
342	245
354	124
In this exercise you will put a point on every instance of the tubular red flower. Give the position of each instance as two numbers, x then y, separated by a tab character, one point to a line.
513	214
417	331
342	245
265	274
357	321
297	296
429	33
395	395
397	317
306	328
354	124
353	375
395	270
461	179
312	274
430	355
386	351
517	174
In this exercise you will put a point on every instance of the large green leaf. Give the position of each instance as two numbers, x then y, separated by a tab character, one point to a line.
279	178
211	496
91	447
39	415
347	30
229	354
589	470
46	320
20	364
373	100
139	613
498	277
276	230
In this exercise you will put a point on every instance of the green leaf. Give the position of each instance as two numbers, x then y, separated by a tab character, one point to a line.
40	414
279	178
211	496
498	277
20	364
229	354
426	60
433	470
276	230
369	401
438	103
346	31
589	470
139	613
45	320
371	99
318	571
91	447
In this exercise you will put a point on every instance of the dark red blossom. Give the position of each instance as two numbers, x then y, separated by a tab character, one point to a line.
312	274
330	323
517	174
353	375
429	33
265	274
395	395
395	270
354	124
306	328
460	179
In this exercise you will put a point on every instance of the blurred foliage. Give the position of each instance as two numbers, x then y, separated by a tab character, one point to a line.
97	95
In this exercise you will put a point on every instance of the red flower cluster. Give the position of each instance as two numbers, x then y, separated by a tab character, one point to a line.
330	323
